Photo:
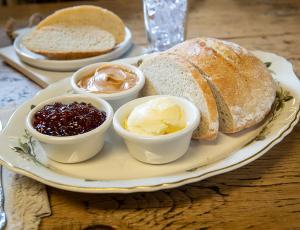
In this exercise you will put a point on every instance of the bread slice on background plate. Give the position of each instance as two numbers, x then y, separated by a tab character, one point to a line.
242	85
69	42
88	15
76	32
169	74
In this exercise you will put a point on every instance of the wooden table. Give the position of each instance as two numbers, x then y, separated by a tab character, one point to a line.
262	195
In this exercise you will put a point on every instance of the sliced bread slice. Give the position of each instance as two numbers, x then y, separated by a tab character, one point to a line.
69	42
88	15
172	75
244	90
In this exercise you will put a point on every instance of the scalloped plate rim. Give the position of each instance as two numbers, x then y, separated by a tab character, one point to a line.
158	186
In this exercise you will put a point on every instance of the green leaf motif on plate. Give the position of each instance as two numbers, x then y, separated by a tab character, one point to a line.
139	62
268	64
26	148
69	91
282	96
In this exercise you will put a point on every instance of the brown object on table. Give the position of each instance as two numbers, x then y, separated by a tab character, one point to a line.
9	28
262	195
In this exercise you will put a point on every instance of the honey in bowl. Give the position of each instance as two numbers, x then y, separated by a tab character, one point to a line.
108	79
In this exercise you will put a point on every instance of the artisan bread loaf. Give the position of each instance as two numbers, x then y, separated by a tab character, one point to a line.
242	85
170	74
88	15
69	42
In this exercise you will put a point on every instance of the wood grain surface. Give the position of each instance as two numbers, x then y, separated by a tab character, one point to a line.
262	195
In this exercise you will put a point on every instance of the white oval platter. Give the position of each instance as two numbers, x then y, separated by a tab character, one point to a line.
43	62
113	170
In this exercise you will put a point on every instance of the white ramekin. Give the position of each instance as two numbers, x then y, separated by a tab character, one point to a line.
72	149
157	149
115	99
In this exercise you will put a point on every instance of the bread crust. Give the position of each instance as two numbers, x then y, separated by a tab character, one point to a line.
69	55
213	125
224	65
88	15
256	76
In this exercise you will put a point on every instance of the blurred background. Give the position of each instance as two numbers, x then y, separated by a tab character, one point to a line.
15	2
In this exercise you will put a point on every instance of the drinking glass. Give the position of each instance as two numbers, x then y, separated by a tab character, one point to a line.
165	23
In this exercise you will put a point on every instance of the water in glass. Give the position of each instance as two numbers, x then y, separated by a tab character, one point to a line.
165	23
